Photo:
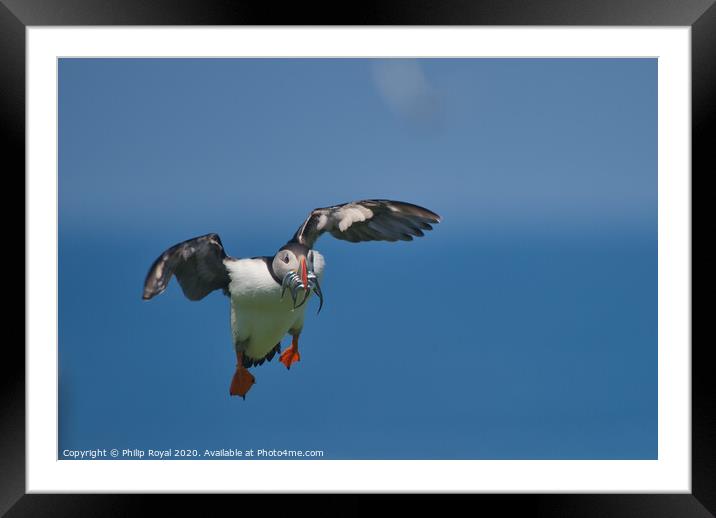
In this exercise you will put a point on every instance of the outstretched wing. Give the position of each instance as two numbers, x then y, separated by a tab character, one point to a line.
367	220
198	265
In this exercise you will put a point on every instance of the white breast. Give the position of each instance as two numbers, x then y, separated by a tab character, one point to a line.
260	318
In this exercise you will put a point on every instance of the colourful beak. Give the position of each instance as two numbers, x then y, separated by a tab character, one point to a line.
304	273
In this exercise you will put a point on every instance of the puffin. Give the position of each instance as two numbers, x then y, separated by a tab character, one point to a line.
269	295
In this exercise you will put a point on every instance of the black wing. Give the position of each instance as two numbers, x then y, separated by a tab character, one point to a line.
198	265
367	220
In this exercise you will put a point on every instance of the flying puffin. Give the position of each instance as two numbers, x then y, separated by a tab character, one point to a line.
261	311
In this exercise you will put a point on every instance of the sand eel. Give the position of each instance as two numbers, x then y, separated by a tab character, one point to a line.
269	294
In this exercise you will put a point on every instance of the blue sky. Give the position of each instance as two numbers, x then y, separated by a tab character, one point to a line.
524	326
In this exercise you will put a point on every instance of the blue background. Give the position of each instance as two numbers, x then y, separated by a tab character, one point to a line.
523	327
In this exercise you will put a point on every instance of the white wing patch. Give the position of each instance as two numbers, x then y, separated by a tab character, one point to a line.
322	220
353	214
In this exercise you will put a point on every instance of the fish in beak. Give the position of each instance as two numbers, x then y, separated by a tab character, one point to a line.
302	278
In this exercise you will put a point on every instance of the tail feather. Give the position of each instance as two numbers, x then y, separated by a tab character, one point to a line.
253	362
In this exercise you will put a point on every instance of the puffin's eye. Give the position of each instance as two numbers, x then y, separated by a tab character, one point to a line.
285	258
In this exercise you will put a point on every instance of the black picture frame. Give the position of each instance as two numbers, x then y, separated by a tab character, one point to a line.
700	15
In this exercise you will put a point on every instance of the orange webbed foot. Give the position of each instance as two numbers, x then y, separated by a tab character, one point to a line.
241	382
291	355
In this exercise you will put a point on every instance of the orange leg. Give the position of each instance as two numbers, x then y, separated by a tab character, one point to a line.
242	380
291	355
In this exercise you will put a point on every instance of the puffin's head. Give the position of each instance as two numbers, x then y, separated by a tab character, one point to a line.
293	264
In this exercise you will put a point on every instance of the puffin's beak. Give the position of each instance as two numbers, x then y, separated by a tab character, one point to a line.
301	278
304	273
